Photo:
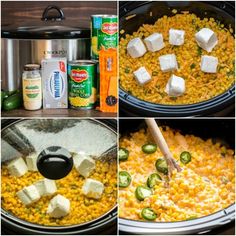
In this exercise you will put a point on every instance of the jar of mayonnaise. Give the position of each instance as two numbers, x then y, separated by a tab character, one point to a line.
32	87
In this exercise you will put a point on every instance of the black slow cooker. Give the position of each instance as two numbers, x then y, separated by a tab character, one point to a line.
23	136
222	222
221	105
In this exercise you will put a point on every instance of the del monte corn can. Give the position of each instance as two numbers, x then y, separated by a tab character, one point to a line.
82	84
104	33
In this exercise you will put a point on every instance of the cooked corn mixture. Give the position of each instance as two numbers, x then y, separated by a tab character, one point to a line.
200	86
82	209
205	185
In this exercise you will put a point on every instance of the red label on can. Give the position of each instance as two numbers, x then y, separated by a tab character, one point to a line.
79	75
62	66
110	28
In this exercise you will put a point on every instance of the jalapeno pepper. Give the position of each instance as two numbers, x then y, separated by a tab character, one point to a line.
185	157
149	148
161	166
124	179
153	180
123	154
148	214
142	192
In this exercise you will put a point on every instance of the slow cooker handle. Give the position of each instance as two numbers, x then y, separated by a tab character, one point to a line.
46	17
55	162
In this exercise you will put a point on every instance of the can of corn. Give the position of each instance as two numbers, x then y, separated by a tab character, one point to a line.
104	33
82	84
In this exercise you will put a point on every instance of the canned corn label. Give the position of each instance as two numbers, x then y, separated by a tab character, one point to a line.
82	85
104	33
108	34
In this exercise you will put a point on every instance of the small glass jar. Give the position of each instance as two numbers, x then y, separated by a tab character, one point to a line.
32	87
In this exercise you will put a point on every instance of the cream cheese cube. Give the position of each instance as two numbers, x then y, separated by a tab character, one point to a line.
175	86
142	76
93	188
17	167
84	164
168	62
154	42
206	39
31	161
46	187
58	207
28	195
176	37
209	64
136	48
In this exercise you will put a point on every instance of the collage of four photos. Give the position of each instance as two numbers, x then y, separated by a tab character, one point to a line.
117	117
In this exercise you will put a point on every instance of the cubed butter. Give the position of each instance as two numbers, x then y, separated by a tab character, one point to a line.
142	76
28	195
46	187
136	48
175	86
31	161
84	164
206	39
154	42
59	206
209	64
168	62
176	37
93	188
17	167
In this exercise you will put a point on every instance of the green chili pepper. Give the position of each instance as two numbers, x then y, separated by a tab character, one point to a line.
193	66
199	51
123	154
185	157
191	218
124	179
149	148
153	180
161	166
142	192
148	214
127	70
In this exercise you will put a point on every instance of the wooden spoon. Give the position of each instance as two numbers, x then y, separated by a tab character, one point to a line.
160	141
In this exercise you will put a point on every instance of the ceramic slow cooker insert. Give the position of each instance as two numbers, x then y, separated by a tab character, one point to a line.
56	141
205	129
130	105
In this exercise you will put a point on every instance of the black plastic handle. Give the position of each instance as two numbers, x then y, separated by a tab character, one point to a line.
55	162
46	17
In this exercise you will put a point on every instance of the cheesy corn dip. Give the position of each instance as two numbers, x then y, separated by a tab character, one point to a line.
205	185
199	86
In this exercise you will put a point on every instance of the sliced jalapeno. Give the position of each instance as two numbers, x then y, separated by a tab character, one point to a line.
185	157
124	179
142	192
148	214
149	148
153	180
123	154
161	166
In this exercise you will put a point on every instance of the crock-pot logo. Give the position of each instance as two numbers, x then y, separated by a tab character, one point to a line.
79	75
110	28
55	52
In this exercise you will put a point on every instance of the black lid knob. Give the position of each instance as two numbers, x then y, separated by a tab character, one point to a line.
55	162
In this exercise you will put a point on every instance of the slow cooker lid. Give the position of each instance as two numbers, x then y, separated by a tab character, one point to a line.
50	26
75	135
47	31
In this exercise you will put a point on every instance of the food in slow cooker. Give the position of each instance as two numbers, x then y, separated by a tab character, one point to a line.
206	183
73	199
180	59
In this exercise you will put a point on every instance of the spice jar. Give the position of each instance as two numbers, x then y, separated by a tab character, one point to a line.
32	87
